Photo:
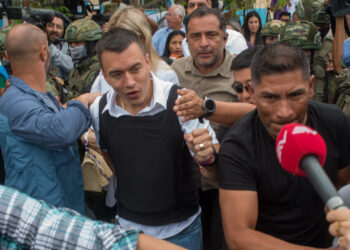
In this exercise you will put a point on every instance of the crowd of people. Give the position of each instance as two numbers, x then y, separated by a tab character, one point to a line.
131	134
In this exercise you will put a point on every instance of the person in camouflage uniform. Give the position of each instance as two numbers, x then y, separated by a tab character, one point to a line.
3	34
306	36
271	30
302	34
325	75
314	11
82	36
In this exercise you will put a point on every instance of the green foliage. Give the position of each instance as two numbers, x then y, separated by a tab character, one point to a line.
280	5
237	8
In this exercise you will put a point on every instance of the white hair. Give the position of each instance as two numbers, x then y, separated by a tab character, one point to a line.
179	10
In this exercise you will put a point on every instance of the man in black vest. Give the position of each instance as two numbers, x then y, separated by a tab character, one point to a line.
148	145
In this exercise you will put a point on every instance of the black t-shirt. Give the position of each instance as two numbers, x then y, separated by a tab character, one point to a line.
289	207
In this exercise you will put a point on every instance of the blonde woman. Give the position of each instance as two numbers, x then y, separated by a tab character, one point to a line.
134	19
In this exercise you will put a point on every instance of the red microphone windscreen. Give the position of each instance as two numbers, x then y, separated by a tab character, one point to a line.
295	141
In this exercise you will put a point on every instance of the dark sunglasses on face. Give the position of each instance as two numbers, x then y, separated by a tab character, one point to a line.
239	87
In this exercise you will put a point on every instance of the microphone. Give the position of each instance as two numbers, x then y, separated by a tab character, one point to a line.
302	152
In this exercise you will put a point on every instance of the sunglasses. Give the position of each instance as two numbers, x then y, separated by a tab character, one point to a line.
239	88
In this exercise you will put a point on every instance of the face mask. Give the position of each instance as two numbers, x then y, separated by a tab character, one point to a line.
78	53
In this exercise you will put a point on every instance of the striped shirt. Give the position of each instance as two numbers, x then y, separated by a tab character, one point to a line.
29	223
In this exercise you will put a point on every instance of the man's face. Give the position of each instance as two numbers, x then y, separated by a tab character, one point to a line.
174	21
283	98
243	86
285	19
194	4
206	42
54	29
128	73
270	39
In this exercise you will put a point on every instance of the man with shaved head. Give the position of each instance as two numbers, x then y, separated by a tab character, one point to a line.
37	134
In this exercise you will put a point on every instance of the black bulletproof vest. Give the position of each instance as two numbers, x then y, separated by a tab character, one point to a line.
155	184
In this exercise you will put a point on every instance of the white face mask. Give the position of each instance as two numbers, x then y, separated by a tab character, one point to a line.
78	53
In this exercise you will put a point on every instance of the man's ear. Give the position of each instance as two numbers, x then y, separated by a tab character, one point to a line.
44	54
311	86
6	56
148	62
225	37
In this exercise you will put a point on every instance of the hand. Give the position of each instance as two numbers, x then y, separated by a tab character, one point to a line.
189	105
87	99
340	226
200	143
91	140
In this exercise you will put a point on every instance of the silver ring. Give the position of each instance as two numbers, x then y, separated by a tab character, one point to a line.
201	146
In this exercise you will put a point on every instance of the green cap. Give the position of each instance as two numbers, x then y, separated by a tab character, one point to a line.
302	34
83	30
312	11
3	34
272	28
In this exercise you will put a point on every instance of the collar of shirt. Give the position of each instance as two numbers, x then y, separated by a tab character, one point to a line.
171	30
22	86
158	102
223	70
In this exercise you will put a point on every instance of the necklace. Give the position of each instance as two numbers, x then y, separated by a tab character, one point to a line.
121	102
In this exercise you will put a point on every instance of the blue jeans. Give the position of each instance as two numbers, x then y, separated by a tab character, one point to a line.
190	237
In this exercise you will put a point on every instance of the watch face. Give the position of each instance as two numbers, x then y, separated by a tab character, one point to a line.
210	105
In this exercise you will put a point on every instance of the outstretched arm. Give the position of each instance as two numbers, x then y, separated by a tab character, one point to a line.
239	211
190	106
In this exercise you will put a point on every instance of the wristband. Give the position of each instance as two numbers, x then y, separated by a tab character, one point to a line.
210	162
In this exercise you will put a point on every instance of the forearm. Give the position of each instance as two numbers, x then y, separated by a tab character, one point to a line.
251	239
61	60
211	172
339	39
228	112
64	62
52	130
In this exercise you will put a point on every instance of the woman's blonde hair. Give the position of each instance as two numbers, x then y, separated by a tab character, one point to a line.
134	19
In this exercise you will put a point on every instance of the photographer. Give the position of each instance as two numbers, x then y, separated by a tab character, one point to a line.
59	48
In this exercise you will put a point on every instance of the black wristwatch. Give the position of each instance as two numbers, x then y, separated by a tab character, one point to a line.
209	107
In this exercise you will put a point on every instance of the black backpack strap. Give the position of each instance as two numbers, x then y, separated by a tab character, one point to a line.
101	106
172	97
177	153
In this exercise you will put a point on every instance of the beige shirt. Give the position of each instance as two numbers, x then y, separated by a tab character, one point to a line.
216	85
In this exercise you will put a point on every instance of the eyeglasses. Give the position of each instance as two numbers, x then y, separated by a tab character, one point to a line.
170	14
238	87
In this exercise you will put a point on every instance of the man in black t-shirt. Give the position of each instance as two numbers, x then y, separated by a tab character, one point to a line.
263	206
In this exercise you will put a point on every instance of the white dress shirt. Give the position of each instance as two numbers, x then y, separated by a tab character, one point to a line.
158	103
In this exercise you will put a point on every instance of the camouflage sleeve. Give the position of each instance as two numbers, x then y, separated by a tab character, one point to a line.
343	89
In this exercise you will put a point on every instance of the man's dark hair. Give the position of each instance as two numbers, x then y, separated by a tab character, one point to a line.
284	13
279	58
245	58
215	2
60	16
205	11
117	40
